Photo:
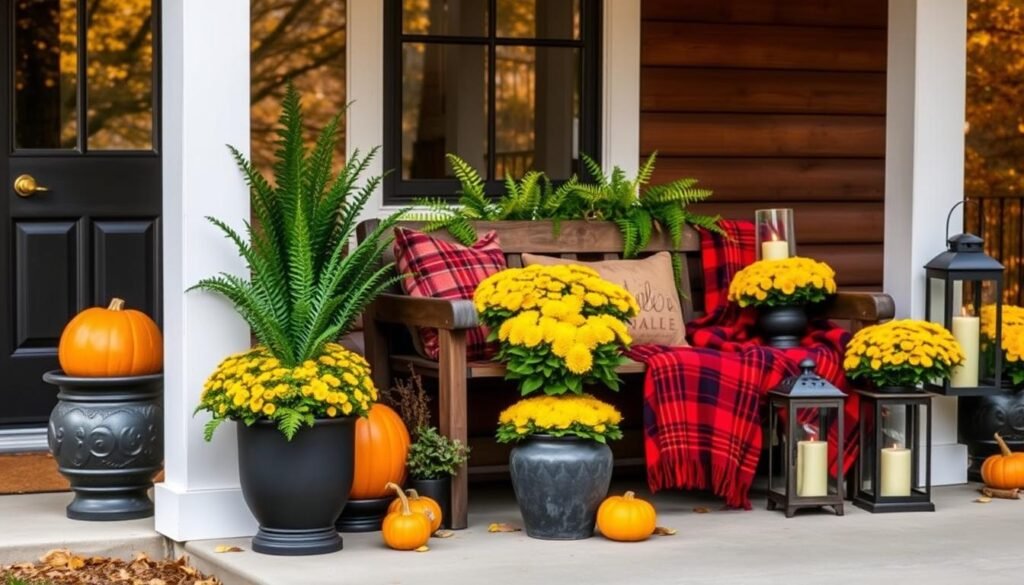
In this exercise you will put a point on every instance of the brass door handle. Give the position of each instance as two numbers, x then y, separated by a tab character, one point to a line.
27	186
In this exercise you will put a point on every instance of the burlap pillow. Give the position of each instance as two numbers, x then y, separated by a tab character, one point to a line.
651	281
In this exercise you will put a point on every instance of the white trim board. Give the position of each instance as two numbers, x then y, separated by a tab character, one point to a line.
620	91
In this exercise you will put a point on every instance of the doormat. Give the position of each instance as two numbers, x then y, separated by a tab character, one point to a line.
30	473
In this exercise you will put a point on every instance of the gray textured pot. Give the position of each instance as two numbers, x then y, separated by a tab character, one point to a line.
559	484
297	489
782	327
107	437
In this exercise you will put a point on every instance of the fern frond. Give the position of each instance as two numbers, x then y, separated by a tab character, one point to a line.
595	170
646	172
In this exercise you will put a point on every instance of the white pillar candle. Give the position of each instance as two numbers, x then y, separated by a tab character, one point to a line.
812	469
895	480
774	250
967	330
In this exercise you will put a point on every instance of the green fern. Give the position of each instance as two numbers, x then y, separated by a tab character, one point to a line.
307	283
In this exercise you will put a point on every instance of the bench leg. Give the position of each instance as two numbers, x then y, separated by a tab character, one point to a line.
453	413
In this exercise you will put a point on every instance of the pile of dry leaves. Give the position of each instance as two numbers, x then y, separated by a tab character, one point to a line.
61	567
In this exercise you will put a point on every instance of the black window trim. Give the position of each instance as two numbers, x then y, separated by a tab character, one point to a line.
398	191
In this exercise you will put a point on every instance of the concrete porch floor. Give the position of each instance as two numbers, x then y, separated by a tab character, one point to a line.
962	543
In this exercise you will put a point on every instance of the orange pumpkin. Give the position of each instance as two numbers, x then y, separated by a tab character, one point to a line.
422	504
101	343
1005	470
404	529
382	444
626	518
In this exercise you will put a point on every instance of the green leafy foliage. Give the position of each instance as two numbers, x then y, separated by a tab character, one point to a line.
307	282
435	456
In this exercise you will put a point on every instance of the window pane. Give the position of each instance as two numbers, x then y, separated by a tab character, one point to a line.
302	41
45	74
537	110
445	17
120	75
444	108
542	19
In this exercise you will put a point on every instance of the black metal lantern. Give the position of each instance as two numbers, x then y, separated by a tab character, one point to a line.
965	266
802	478
895	466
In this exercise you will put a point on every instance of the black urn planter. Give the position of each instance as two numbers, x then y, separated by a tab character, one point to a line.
439	490
983	416
559	484
296	489
782	327
363	515
107	437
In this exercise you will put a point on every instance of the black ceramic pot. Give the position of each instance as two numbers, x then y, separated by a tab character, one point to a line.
297	489
363	515
559	484
439	490
980	418
108	439
782	327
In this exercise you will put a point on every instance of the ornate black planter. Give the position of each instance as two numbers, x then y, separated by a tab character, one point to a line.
559	484
297	489
108	439
363	515
439	490
782	327
983	416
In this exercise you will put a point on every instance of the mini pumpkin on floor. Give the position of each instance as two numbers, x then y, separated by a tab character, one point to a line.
626	518
418	503
1004	470
404	529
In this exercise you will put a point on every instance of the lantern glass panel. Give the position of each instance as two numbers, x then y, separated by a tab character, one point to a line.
896	454
775	234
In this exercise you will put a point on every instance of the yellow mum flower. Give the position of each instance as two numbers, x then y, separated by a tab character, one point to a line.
579	360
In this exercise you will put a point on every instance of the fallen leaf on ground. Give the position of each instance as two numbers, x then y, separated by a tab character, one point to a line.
226	548
983	500
664	531
444	533
423	548
502	527
702	510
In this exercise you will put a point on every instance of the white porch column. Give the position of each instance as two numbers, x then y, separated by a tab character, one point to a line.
620	77
924	173
206	105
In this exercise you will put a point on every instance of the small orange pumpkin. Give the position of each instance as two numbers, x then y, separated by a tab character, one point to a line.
626	518
422	504
101	343
1005	470
404	529
382	445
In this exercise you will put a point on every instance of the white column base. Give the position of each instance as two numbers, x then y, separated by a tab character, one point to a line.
949	464
202	515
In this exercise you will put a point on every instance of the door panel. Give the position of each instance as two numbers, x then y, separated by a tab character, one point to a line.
79	112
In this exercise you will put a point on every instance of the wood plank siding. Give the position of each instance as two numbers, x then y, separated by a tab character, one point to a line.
775	103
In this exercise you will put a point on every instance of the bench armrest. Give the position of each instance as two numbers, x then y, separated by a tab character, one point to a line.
863	307
425	312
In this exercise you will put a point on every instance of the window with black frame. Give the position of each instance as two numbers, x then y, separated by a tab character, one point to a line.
507	85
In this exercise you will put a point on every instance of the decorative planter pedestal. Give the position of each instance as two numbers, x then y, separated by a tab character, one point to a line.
363	515
108	439
439	490
559	483
296	489
782	327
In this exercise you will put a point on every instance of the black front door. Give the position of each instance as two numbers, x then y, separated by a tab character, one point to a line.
79	177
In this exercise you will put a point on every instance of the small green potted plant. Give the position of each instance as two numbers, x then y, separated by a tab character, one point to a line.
433	458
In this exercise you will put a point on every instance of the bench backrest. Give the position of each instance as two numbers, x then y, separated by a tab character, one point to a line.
582	240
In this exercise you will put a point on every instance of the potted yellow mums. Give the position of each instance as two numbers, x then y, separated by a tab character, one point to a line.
560	329
781	290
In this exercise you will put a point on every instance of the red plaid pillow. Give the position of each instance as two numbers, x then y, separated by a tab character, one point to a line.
446	270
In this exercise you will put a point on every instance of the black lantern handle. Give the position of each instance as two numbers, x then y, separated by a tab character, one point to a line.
952	209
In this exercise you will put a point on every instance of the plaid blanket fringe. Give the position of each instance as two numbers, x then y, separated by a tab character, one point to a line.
703	404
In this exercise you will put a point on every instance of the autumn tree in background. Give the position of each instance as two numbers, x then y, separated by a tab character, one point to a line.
994	166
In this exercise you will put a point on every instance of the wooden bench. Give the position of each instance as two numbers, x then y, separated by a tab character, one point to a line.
390	349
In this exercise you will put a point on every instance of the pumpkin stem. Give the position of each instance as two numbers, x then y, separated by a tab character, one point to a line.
116	304
628	495
413	494
1003	446
401	495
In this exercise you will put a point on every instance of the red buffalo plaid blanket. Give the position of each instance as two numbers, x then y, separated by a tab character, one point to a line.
703	404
